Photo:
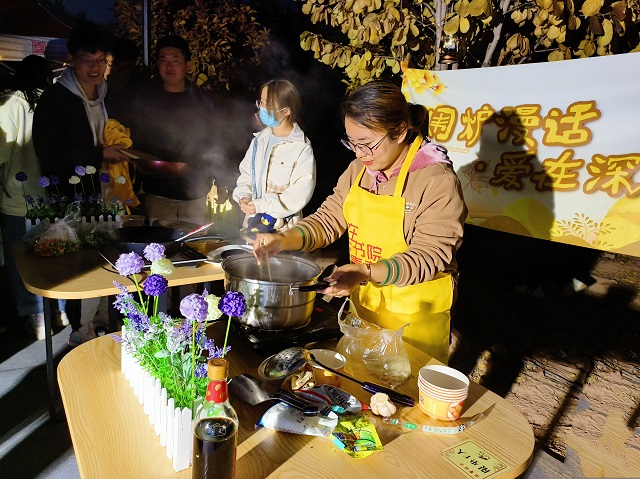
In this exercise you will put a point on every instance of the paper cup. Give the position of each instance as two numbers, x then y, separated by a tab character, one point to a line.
442	391
332	360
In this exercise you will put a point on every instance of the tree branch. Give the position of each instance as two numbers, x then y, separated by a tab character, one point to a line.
504	6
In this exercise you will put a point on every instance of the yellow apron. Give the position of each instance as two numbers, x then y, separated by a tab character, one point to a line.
375	227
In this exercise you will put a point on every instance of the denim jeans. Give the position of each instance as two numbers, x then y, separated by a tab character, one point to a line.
26	303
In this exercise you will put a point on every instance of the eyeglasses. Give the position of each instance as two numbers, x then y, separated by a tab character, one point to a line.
100	62
260	105
365	149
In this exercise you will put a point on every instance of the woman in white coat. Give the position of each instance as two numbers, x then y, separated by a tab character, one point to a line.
19	176
278	173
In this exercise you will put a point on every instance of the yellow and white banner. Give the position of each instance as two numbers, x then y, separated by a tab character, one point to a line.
547	150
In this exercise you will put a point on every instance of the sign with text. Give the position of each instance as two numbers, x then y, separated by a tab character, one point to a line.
544	150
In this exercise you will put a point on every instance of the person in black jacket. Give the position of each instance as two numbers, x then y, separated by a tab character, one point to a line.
173	121
69	121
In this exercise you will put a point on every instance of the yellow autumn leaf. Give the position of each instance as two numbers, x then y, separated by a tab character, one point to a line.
477	7
396	67
394	13
589	48
201	79
451	27
605	39
463	8
544	4
555	56
553	32
464	25
591	7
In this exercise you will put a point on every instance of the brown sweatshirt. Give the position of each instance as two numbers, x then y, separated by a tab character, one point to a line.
433	225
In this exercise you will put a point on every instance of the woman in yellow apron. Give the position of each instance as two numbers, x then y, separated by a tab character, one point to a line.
401	204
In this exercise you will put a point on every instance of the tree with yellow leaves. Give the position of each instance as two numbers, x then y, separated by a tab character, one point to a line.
377	38
224	35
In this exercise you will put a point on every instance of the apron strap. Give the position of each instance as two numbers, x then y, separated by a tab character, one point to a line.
404	171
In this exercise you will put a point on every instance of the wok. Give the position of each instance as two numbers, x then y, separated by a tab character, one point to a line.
135	239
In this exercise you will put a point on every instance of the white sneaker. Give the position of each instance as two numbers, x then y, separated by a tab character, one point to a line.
60	319
35	325
86	333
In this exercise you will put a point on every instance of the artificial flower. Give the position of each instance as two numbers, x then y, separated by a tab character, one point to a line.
129	263
80	170
214	312
194	307
89	169
162	266
155	285
43	181
74	180
154	251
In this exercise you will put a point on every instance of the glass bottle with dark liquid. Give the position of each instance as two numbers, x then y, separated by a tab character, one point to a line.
215	437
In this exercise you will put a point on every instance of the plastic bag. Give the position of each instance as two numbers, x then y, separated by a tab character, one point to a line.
55	239
371	349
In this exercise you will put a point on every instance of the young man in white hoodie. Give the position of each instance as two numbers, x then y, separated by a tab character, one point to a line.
69	122
70	118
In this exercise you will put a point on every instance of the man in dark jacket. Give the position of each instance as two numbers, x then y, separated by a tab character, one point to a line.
173	122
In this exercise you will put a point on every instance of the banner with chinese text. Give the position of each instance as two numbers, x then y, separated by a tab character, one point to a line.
545	150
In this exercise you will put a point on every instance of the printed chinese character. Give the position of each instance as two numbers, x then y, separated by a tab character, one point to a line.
473	123
559	174
513	166
569	129
442	121
613	175
374	253
518	123
356	248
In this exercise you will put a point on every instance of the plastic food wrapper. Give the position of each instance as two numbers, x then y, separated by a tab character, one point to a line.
55	239
357	436
370	349
326	394
284	418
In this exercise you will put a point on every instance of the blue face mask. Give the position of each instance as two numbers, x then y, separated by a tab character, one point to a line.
268	118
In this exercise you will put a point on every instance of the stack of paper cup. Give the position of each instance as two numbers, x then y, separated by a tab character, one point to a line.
442	391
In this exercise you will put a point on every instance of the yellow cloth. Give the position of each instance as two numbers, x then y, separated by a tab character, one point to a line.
375	224
117	134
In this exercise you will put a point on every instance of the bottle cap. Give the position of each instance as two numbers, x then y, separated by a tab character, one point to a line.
217	369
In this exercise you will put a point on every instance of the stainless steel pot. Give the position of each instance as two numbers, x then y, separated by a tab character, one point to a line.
285	300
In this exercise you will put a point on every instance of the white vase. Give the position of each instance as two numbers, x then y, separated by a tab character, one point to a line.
172	425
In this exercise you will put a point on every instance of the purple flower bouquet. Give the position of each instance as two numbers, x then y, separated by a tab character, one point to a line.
175	351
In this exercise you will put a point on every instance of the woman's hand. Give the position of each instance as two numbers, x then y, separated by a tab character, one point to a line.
112	154
247	206
268	244
345	279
